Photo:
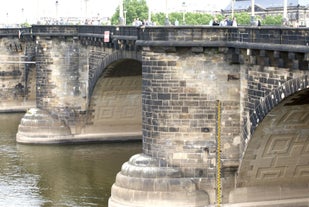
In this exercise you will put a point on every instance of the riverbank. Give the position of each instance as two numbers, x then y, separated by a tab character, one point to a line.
82	138
16	107
51	136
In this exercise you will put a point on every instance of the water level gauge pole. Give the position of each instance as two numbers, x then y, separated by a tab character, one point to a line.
218	174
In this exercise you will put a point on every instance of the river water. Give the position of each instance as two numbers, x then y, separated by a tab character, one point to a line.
57	175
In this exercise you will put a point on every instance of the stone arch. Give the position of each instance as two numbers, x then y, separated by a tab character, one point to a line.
276	151
117	55
268	102
115	105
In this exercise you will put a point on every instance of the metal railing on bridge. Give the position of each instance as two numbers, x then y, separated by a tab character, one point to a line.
272	35
189	34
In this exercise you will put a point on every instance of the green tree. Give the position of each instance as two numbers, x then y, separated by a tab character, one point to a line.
139	9
158	18
243	18
272	20
188	18
134	9
175	16
198	18
25	24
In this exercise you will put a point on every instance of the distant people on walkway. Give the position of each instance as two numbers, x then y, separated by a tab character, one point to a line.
226	21
285	21
137	22
176	22
234	22
258	23
215	22
108	21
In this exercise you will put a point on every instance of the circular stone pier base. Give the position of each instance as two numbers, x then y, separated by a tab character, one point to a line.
148	182
39	127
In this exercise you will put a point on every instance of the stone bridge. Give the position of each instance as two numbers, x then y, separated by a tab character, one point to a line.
223	112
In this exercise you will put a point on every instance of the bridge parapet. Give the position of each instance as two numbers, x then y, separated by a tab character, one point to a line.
273	35
82	30
13	32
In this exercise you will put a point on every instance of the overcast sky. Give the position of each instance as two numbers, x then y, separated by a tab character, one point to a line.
12	11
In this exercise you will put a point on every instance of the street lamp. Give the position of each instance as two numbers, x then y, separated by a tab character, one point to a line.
252	12
167	22
233	4
121	19
125	17
22	15
149	14
285	12
297	15
184	13
57	4
86	10
7	19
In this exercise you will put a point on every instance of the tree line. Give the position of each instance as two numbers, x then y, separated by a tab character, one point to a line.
139	9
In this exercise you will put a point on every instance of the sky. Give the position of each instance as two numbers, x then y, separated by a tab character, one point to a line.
13	11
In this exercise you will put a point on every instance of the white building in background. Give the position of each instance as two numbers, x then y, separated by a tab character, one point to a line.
202	6
297	10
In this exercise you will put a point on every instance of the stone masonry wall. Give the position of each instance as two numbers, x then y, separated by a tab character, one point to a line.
180	93
62	79
16	78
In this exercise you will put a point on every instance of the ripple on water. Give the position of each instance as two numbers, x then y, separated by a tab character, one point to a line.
20	191
58	175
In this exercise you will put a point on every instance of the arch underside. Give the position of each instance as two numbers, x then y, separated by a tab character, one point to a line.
278	152
274	170
115	105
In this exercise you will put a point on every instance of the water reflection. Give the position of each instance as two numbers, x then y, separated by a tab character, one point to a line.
57	175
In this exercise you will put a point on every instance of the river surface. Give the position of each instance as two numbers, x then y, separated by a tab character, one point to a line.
57	175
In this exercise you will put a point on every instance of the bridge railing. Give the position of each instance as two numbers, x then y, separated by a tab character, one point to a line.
281	35
273	35
83	30
6	32
55	29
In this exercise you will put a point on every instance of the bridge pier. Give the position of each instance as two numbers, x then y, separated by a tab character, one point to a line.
86	91
60	91
144	180
178	164
39	127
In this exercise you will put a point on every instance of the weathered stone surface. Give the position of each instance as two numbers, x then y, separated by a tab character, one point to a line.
277	152
269	195
147	181
38	126
17	88
262	86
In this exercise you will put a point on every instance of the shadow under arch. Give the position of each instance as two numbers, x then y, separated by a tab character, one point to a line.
115	56
276	151
115	105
